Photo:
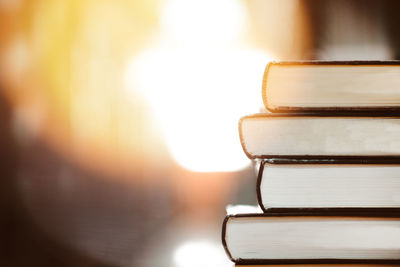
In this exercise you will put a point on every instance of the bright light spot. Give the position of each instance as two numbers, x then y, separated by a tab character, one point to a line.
237	209
213	22
199	91
200	254
199	100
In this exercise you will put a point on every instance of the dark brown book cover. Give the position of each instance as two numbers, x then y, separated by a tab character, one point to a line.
367	161
359	213
290	109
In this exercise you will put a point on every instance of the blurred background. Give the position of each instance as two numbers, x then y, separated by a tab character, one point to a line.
118	119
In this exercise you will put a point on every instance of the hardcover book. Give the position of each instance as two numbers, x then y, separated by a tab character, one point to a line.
332	85
327	265
319	136
312	237
334	184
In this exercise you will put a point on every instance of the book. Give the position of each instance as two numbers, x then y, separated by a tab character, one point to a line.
319	136
285	184
312	237
332	85
326	265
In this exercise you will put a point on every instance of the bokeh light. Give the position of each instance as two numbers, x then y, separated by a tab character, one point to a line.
200	76
200	253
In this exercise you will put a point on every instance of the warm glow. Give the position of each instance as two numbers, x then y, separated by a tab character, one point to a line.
198	86
198	23
191	70
62	65
200	254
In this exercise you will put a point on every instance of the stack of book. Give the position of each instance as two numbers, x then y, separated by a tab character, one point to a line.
329	177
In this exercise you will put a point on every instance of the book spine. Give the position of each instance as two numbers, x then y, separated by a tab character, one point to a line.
242	143
223	238
264	88
258	185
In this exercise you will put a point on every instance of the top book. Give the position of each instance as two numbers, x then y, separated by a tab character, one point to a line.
332	86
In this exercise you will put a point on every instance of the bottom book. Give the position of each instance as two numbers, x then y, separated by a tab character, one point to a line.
325	265
312	237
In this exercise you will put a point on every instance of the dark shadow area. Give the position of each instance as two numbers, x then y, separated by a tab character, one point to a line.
53	213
